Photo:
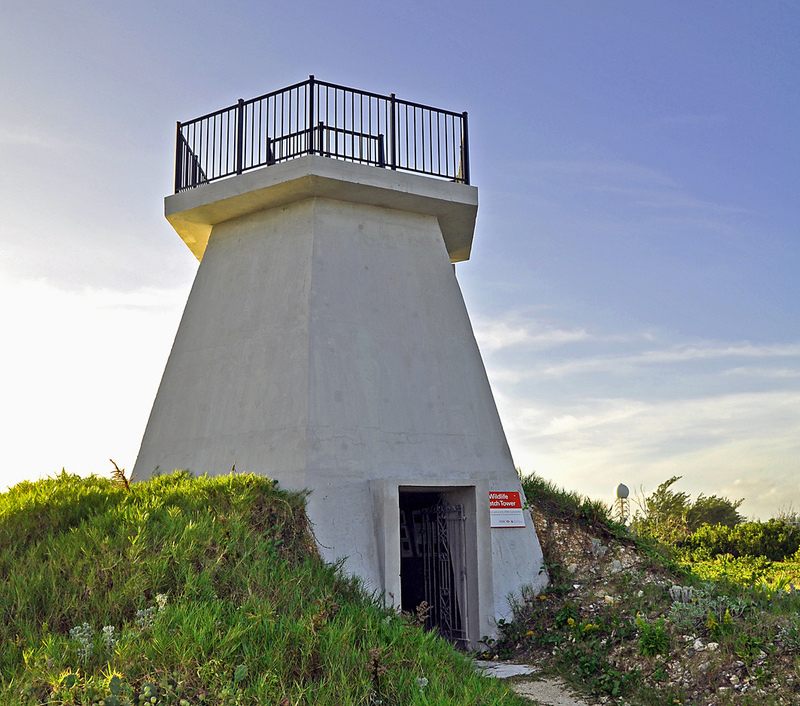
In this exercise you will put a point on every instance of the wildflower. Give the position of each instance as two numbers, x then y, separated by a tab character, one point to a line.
109	637
83	634
161	601
571	622
422	682
146	617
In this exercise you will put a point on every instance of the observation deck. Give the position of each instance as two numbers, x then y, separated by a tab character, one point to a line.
317	117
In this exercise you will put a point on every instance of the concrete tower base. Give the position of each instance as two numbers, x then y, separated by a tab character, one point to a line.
326	344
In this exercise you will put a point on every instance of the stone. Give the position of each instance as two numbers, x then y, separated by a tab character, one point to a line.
502	670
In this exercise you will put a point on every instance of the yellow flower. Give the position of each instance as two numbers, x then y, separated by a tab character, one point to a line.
570	621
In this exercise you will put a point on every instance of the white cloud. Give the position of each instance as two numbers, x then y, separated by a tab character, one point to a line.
497	334
680	409
710	440
683	353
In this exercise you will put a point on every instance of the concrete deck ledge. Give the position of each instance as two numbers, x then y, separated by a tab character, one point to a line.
194	212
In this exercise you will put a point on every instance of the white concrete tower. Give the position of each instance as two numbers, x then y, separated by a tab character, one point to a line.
326	344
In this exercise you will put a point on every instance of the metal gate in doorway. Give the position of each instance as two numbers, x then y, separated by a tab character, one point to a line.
445	569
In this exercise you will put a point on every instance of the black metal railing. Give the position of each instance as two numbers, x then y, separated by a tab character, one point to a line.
316	117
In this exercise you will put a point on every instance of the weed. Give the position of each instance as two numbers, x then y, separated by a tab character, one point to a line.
653	637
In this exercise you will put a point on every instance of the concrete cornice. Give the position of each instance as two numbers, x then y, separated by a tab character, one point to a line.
194	212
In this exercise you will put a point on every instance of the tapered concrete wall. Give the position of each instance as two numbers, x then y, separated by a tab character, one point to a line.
326	344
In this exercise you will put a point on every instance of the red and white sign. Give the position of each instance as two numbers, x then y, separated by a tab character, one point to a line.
505	509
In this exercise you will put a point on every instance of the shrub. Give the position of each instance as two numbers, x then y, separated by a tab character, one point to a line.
774	540
670	516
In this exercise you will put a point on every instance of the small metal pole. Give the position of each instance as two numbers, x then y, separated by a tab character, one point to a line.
393	138
239	136
311	114
465	148
381	151
321	138
178	161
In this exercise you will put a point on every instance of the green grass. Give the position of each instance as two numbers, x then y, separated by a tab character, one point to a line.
559	503
215	594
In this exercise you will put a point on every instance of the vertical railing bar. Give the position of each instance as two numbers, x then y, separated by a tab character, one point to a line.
405	122
455	153
311	116
430	138
465	147
178	157
414	116
438	144
206	150
213	145
199	149
393	133
239	135
446	150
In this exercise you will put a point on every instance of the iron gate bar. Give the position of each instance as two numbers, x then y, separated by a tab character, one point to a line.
238	138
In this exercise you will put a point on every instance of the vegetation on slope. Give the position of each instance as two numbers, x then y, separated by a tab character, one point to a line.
185	590
637	619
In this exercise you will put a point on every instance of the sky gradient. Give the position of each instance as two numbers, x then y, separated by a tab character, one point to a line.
634	280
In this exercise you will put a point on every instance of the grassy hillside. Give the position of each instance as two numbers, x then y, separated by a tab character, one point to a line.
185	590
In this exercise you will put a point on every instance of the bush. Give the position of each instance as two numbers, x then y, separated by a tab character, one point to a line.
670	516
774	540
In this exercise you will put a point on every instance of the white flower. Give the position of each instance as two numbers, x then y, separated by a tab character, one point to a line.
422	682
109	636
146	617
83	634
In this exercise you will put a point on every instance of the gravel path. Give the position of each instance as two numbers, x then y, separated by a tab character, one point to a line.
542	691
546	692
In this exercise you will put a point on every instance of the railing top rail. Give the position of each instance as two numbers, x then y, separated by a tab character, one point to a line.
277	92
413	104
328	84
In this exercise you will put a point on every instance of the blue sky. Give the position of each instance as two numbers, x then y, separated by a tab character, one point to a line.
634	280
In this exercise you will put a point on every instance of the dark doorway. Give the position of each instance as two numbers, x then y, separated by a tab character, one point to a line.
433	562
